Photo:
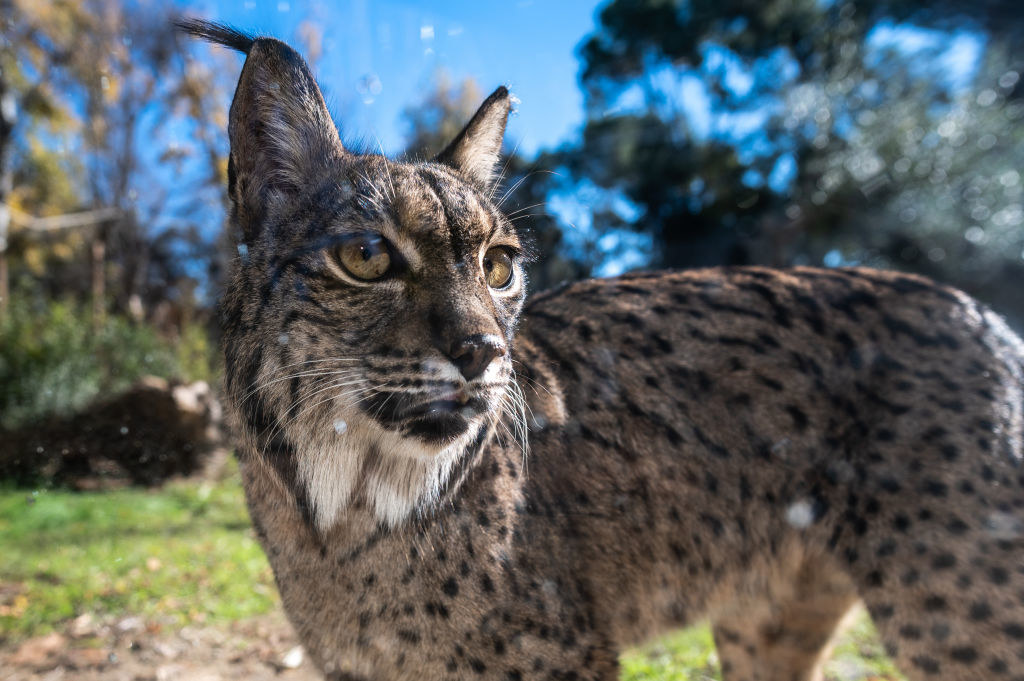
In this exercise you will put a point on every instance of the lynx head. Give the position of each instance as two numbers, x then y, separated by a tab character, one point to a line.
369	315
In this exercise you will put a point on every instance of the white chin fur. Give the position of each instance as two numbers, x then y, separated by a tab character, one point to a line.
409	476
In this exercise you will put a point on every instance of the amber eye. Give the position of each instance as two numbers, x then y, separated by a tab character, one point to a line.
498	268
365	257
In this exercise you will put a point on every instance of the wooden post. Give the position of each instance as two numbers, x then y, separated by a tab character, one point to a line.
99	276
5	279
8	114
5	286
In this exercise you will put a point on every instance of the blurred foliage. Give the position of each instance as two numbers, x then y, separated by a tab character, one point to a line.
789	132
684	656
196	355
52	361
112	115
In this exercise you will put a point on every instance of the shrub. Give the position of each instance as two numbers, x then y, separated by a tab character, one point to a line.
52	362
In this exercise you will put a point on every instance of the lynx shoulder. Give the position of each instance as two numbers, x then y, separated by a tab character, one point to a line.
452	485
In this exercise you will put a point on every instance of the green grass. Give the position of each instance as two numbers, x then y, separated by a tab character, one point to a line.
184	553
859	654
685	656
690	656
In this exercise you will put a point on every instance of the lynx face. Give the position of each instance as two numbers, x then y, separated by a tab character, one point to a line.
409	297
371	313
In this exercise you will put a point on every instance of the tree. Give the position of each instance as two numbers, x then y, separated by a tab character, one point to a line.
817	141
107	83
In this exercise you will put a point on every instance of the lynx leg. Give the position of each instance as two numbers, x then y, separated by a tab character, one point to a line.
785	637
947	596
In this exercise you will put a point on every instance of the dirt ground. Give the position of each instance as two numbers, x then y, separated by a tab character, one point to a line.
130	649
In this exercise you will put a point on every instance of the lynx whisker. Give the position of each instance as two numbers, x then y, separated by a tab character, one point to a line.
387	168
499	420
343	395
368	199
524	208
363	393
303	374
522	406
501	176
531	381
378	194
288	418
380	407
320	361
528	216
513	405
511	190
281	425
509	193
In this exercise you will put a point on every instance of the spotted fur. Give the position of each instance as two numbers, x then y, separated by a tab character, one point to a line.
760	447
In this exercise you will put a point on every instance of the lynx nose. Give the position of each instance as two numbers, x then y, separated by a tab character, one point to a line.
473	353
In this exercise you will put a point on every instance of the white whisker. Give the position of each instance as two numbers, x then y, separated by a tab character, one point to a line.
501	176
302	374
387	169
521	180
524	208
284	421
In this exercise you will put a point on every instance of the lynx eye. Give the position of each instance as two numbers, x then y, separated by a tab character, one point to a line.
365	257
498	268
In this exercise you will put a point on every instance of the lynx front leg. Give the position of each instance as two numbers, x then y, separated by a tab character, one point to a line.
786	637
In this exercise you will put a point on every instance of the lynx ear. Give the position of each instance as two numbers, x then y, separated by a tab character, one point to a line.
475	151
282	136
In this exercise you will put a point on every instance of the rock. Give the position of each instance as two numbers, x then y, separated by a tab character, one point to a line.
84	658
166	650
130	624
82	626
39	653
293	658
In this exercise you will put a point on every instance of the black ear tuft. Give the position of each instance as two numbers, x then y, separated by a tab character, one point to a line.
215	32
475	151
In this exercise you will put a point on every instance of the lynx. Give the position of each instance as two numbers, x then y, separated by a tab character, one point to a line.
451	483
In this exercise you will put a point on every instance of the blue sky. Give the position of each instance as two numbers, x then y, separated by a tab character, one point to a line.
380	56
